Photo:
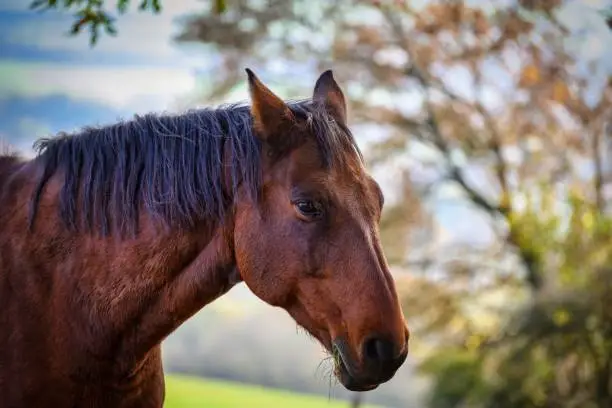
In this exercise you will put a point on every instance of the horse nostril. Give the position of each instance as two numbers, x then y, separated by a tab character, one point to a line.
379	350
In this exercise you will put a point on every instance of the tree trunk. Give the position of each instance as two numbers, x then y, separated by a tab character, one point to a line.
357	400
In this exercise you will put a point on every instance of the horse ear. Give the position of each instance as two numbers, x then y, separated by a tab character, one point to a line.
269	111
328	93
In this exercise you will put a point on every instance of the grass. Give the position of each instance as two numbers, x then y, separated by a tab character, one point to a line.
190	392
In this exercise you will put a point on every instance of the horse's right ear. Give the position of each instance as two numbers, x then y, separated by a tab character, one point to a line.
269	111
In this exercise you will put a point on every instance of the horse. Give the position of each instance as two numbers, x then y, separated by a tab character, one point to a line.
113	236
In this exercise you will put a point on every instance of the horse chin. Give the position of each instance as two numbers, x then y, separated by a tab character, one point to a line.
349	381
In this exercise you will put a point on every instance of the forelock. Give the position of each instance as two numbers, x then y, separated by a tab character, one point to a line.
334	140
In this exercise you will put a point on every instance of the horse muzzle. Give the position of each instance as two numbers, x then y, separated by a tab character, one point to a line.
380	362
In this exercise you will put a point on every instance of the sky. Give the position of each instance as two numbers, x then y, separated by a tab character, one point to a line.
50	82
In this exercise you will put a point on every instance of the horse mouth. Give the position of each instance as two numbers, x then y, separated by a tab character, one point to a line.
343	373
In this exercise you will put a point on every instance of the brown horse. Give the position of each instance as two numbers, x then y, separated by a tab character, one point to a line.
111	238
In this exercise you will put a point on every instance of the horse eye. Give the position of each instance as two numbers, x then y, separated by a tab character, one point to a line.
308	208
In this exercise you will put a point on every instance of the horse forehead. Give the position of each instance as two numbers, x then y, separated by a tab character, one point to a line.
356	191
347	178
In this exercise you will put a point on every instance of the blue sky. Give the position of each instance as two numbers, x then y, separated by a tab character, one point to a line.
50	82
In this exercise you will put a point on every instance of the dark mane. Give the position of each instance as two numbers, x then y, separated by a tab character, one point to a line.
171	165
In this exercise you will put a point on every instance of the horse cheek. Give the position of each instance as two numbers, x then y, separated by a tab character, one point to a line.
250	254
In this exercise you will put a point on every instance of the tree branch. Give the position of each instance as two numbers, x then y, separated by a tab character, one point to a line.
504	208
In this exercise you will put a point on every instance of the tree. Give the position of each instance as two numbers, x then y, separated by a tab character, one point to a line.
95	16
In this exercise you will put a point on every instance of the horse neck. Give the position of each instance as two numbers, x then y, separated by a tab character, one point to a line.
175	276
154	278
123	295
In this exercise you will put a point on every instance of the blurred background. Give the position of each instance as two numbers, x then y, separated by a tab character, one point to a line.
486	122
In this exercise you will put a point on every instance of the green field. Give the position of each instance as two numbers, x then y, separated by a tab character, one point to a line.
189	392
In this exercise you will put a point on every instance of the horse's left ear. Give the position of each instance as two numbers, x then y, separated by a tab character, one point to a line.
269	111
328	93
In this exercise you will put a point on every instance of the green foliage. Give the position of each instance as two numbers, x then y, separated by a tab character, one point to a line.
458	378
190	392
93	15
555	350
220	6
